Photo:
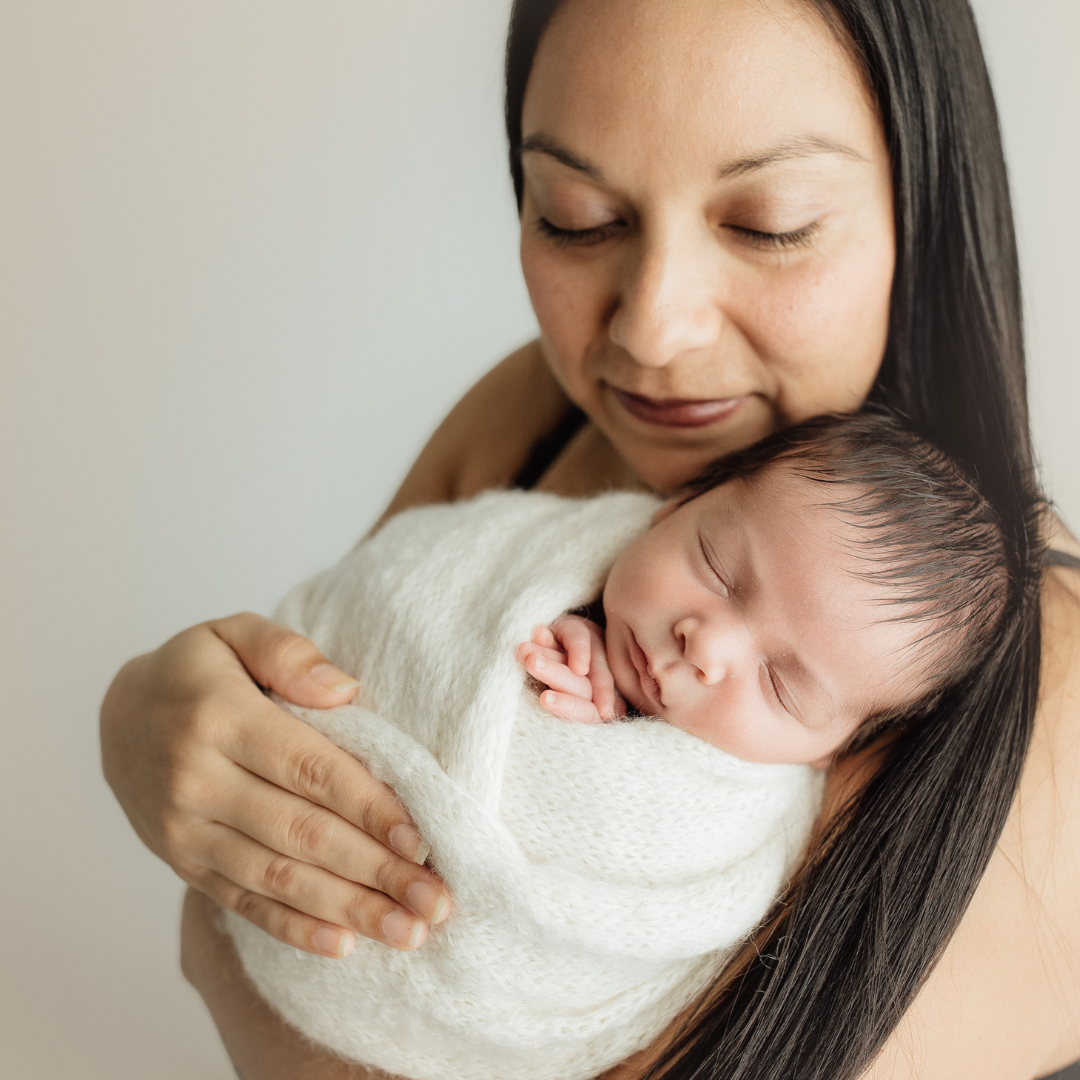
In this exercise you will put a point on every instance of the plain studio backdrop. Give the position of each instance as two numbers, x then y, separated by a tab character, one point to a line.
250	253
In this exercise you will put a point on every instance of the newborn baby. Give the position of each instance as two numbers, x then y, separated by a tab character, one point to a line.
772	623
834	579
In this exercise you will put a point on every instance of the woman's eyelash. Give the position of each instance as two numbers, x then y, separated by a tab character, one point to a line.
599	233
793	239
577	237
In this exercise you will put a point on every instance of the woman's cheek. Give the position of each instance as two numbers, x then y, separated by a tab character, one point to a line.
821	329
567	299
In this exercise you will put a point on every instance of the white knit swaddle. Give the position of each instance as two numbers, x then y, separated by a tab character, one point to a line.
600	873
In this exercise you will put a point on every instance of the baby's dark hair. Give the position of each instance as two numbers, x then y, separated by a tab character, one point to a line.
921	528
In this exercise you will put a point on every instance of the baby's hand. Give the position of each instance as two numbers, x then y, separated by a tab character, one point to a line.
570	659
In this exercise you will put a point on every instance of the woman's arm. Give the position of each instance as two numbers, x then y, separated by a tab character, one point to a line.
261	1045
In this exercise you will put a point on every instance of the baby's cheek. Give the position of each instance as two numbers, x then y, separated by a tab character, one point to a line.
707	720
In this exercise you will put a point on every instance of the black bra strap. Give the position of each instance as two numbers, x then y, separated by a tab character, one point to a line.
545	450
1062	558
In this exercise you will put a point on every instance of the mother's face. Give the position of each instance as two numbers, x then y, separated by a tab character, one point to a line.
707	223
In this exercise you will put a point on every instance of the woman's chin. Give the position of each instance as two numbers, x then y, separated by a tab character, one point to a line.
667	458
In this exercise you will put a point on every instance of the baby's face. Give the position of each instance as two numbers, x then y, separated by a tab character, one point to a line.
738	618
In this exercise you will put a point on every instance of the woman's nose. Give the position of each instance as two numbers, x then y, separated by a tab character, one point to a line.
668	306
715	648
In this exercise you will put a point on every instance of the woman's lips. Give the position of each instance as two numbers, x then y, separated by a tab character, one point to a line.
650	687
677	412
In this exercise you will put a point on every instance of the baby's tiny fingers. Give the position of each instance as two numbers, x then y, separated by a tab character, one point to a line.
557	676
527	649
569	707
576	638
543	636
605	694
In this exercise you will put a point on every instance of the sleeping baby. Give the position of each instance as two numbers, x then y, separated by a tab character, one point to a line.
722	648
773	621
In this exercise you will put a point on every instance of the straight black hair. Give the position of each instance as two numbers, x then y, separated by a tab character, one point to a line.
839	961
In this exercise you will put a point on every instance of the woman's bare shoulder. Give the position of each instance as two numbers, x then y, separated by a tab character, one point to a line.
486	438
1004	1001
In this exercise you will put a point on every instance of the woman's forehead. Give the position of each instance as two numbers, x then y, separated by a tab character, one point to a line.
720	78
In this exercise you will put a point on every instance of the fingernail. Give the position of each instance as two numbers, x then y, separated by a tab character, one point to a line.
406	840
399	926
333	942
330	678
426	900
539	661
549	697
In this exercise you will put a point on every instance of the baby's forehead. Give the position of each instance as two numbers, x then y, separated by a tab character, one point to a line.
790	486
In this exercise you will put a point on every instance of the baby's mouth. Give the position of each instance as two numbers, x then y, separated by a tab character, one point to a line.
650	687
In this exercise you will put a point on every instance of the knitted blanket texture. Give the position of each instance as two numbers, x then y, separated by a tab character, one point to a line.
601	873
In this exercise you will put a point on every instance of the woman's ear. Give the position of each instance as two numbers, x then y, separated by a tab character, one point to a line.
666	510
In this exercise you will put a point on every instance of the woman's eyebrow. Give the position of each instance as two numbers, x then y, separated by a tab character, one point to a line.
805	146
544	144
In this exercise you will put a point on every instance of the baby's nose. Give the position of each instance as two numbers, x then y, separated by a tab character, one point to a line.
711	649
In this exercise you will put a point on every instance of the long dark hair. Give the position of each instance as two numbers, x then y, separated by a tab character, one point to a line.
842	956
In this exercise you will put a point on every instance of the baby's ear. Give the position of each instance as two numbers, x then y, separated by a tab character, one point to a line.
667	509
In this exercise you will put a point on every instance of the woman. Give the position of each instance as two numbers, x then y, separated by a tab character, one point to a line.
734	216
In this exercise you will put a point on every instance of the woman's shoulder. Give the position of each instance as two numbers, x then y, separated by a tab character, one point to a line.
487	436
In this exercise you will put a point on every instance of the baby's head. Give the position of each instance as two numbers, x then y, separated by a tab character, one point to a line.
840	572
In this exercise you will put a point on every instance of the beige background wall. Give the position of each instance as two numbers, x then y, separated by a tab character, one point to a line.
249	254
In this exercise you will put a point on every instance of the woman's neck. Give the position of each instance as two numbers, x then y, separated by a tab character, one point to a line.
589	465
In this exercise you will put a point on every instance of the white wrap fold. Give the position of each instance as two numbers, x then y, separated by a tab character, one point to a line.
600	874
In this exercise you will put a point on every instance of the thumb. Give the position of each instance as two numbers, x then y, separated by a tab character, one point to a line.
285	662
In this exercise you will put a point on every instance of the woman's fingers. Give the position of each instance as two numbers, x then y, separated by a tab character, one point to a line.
285	662
557	676
295	757
278	920
336	907
313	836
569	707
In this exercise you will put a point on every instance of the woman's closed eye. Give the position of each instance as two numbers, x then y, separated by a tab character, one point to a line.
595	234
773	241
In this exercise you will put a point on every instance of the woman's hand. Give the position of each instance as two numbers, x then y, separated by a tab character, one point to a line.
255	808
